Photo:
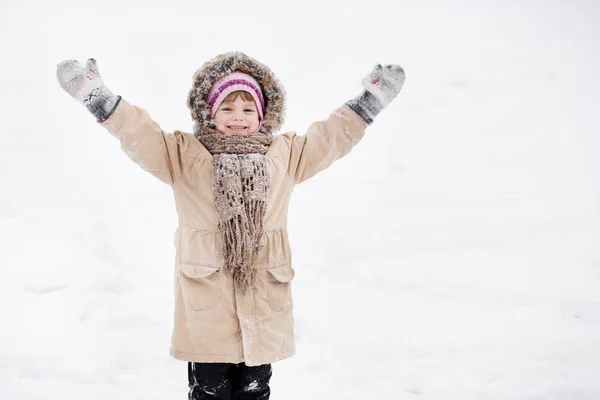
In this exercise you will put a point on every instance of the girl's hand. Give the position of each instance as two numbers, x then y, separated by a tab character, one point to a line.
381	85
86	86
385	82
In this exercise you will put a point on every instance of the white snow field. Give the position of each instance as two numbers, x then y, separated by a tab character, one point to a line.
454	254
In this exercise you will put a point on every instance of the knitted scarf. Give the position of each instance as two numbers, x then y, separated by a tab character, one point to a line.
240	188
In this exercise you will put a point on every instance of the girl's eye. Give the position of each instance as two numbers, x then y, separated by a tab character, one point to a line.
248	110
226	109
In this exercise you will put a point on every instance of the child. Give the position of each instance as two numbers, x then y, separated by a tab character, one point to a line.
232	181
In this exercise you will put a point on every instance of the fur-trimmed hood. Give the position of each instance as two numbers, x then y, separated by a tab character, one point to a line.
224	64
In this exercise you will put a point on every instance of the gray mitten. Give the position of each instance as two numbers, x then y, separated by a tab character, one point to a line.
85	85
382	85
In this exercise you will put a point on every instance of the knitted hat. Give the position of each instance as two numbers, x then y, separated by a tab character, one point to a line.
232	83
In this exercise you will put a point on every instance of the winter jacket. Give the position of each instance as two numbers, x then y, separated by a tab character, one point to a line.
212	321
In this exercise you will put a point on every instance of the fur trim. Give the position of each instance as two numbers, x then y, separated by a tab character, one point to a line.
225	64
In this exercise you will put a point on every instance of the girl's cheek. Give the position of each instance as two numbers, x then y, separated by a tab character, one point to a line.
220	129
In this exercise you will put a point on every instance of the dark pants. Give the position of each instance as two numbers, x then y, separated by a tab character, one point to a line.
218	381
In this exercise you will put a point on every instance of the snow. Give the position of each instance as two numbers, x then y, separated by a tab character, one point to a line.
454	254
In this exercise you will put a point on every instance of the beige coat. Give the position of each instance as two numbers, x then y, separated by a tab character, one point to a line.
213	322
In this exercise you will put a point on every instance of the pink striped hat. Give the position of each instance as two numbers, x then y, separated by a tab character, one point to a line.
232	83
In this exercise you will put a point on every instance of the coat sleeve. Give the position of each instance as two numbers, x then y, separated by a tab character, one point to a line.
325	142
146	143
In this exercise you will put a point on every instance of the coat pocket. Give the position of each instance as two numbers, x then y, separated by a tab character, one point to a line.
279	287
198	247
201	286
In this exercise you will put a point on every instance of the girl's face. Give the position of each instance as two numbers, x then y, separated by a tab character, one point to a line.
238	117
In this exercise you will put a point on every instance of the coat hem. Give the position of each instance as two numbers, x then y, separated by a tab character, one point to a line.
225	358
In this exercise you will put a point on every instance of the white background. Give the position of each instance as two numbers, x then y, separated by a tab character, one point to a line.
454	254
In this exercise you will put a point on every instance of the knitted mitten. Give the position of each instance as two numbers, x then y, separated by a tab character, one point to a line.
382	85
85	85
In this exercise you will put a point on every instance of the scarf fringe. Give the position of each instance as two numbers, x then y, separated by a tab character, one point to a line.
255	210
241	237
237	261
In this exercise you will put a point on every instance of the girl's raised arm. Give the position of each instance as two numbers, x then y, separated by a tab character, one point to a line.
141	138
328	140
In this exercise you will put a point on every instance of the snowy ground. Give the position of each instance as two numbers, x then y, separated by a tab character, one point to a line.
454	254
